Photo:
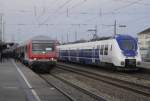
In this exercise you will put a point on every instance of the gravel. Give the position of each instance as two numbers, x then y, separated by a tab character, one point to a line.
107	91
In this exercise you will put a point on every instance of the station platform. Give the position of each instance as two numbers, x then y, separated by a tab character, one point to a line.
19	83
145	65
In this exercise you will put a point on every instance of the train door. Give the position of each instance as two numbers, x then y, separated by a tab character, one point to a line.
105	53
110	53
101	52
77	55
26	52
69	58
97	54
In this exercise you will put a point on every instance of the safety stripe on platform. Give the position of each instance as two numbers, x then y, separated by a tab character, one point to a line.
27	82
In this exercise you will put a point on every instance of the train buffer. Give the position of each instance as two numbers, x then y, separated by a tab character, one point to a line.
19	83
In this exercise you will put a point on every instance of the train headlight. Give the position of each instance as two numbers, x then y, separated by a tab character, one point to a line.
52	59
122	63
43	52
35	59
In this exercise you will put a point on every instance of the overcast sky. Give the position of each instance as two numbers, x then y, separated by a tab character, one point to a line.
55	18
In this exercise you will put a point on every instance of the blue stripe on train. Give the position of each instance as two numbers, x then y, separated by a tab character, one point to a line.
85	56
85	60
81	60
73	59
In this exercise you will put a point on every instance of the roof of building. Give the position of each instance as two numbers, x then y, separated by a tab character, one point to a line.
145	31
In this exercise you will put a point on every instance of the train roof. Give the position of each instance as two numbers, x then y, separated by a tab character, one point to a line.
38	38
95	42
124	36
41	37
100	39
80	45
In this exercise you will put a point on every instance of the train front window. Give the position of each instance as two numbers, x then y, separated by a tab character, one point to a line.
127	44
42	47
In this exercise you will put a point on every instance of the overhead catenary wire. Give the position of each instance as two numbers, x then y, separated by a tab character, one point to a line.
63	5
129	1
59	8
37	17
128	5
66	11
70	8
138	19
77	4
83	14
113	11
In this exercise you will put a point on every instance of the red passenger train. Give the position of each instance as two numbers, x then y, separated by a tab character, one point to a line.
39	53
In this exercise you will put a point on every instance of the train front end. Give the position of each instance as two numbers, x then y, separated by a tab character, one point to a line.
43	54
129	52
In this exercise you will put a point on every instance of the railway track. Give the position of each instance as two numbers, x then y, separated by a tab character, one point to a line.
60	90
136	87
92	97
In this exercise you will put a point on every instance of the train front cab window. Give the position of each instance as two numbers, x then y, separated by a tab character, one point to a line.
42	47
127	44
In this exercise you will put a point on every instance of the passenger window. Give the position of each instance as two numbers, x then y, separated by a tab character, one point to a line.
98	46
106	50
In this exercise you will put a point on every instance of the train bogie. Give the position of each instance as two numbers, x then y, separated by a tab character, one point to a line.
42	66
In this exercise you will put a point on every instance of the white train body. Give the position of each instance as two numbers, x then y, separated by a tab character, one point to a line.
121	51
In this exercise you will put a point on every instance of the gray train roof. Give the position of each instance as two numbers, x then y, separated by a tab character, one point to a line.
37	38
86	45
41	37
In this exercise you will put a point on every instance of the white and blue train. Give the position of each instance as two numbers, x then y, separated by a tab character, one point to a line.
119	51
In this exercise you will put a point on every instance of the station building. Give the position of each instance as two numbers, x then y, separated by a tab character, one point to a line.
144	42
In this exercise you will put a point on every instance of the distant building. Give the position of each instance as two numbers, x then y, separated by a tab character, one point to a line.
144	42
